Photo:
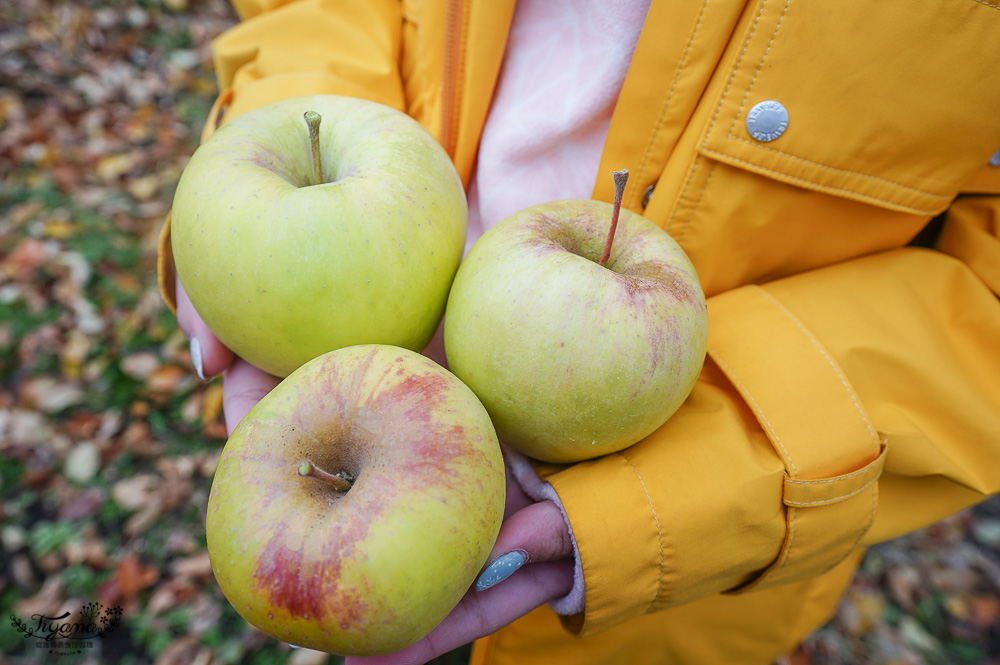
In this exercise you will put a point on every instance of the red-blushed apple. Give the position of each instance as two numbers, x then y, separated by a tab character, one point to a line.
579	339
355	505
315	223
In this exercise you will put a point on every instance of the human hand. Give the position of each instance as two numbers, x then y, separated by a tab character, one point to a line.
243	384
538	534
534	540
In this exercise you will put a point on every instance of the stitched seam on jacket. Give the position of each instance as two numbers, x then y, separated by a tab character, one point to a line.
659	532
711	125
732	76
849	192
843	380
787	550
830	480
756	407
871	517
799	504
666	103
767	51
839	170
697	203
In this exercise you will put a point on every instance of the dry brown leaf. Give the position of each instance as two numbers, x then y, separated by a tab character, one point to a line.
133	576
308	657
138	524
953	579
191	409
22	573
984	610
23	427
139	440
905	585
83	462
51	395
112	167
209	462
181	651
137	492
82	505
170	379
197	566
48	599
139	365
211	407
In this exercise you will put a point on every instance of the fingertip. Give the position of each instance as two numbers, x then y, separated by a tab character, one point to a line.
215	356
502	567
209	356
539	529
196	358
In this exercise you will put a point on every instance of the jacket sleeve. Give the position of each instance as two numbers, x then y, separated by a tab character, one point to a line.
837	408
309	47
284	49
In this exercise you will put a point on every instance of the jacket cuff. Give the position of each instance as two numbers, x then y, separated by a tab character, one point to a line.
833	455
165	274
531	483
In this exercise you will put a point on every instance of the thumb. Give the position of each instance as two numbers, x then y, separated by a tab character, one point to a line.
536	533
243	386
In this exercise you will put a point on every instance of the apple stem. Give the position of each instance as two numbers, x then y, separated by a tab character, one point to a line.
621	177
340	481
313	119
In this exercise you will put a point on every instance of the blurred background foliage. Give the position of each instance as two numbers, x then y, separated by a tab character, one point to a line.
108	441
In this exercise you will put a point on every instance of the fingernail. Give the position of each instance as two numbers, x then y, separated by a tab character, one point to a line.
196	357
499	570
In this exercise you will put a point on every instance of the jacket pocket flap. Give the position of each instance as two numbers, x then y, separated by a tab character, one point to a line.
891	103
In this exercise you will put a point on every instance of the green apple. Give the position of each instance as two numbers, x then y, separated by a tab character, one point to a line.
578	339
293	239
356	503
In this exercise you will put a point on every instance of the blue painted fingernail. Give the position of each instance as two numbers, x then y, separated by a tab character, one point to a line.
196	357
502	568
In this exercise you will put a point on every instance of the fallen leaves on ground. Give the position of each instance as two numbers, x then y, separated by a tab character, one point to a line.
108	441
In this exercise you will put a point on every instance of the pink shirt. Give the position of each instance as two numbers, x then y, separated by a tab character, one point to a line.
561	75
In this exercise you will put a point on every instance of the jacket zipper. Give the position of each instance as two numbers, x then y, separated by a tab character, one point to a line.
450	87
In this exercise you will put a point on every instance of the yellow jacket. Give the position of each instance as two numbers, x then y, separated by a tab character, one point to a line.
852	390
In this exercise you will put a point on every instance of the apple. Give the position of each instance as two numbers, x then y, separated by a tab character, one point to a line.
580	332
355	504
294	236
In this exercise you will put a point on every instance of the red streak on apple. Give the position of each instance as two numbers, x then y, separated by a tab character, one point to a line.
396	424
309	592
640	284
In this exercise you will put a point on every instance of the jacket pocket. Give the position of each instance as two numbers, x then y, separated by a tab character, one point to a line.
896	103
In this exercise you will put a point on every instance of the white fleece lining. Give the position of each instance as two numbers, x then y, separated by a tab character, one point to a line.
537	489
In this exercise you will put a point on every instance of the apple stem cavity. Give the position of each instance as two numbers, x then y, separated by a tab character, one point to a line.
341	482
312	120
621	177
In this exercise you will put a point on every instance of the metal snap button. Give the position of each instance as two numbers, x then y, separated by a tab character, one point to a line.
767	120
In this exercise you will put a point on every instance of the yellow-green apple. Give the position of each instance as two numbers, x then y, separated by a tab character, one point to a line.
356	503
293	237
580	340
